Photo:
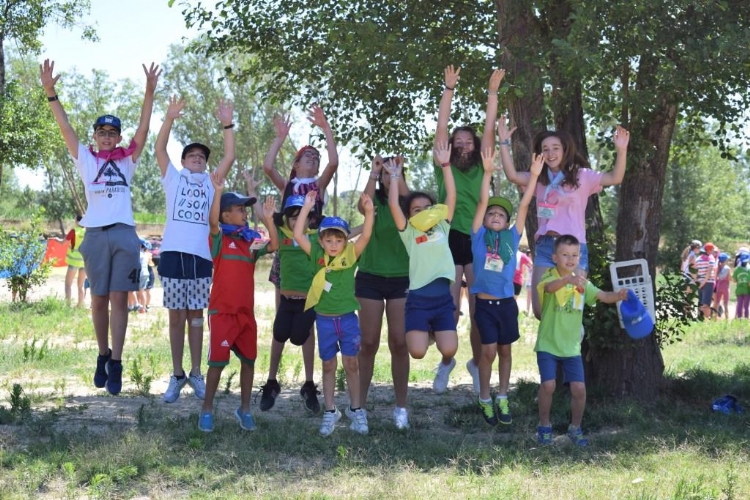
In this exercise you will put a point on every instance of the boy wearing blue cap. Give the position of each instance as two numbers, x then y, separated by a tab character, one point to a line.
334	261
235	249
110	249
494	246
563	294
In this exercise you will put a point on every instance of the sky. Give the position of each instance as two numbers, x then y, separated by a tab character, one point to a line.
129	37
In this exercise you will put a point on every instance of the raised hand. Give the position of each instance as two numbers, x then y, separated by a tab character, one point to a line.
250	180
45	73
218	182
394	166
503	133
495	79
175	107
366	203
537	163
282	124
377	165
265	210
224	112
488	159
452	76
442	152
621	138
152	76
310	199
317	117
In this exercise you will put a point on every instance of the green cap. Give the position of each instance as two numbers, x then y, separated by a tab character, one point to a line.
504	203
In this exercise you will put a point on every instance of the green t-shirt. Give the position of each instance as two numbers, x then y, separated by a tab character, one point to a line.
429	254
742	276
339	299
468	185
560	328
294	264
384	255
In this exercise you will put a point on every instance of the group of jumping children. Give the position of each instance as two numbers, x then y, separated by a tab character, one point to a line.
408	262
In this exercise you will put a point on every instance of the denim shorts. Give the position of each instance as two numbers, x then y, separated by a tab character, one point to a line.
338	333
545	247
497	320
572	367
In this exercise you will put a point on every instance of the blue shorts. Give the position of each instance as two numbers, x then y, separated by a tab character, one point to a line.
497	320
425	313
706	295
337	333
572	367
545	247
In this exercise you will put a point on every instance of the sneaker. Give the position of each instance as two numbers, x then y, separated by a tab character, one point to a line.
173	390
440	384
268	394
488	412
473	369
206	422
503	410
309	393
245	419
544	435
576	435
330	418
401	418
359	420
198	383
100	375
720	310
114	377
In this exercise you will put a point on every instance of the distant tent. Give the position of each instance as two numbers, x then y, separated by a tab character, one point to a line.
56	252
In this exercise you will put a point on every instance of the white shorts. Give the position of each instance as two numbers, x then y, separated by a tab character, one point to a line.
189	294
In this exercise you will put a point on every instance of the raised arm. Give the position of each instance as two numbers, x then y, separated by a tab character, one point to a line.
48	82
251	184
366	202
523	207
141	133
488	136
281	124
442	155
174	111
225	115
265	214
214	215
299	229
503	135
621	139
488	163
318	118
394	171
444	111
377	166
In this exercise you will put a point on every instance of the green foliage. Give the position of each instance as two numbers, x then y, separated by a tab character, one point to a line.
21	255
676	309
20	407
141	380
33	353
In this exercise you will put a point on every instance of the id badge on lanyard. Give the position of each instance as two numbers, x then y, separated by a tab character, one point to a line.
493	262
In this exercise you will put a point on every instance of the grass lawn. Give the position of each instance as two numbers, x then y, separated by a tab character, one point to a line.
62	438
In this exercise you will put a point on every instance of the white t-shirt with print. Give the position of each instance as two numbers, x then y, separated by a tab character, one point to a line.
107	184
189	198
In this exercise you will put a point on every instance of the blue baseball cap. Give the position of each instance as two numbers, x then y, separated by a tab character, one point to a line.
231	199
638	322
293	201
110	120
723	257
336	223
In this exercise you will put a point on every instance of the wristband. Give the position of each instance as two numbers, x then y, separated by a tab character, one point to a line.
53	98
450	88
505	142
227	127
374	178
445	165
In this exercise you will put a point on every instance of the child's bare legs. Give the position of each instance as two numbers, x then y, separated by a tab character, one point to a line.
308	356
177	319
536	277
503	368
370	323
546	390
81	287
394	312
277	349
351	367
577	402
476	342
447	343
212	384
329	382
489	352
195	339
141	296
247	371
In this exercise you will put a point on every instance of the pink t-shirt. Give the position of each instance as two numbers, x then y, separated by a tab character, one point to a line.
562	209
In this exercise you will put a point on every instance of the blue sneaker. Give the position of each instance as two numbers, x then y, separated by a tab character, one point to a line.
206	422
114	377
100	375
576	435
544	435
245	419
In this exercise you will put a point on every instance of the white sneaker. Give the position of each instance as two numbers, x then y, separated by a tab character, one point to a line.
174	388
329	422
359	420
440	384
401	418
198	384
473	370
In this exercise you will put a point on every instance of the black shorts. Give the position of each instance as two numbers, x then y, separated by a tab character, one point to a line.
292	322
374	287
460	245
181	266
